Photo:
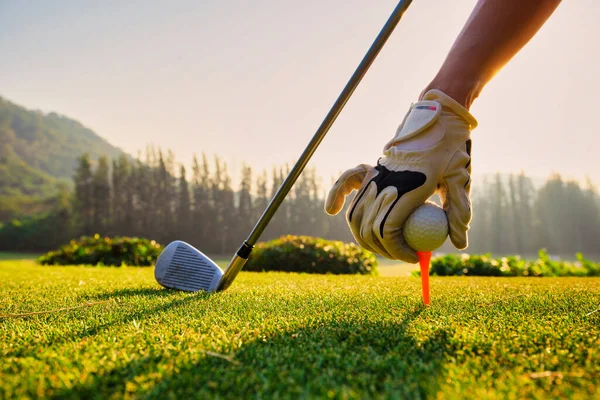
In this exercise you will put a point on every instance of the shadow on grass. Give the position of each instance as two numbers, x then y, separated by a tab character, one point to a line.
124	294
356	358
121	316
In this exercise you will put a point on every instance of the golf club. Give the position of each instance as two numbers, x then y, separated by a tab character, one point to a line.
183	267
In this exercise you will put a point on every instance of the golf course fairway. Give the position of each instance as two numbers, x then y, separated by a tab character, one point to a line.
115	333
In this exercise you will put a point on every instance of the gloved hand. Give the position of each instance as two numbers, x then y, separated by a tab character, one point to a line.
430	153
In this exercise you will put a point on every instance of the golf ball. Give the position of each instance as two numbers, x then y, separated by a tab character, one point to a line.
426	229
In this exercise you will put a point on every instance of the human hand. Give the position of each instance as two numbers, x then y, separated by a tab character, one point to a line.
431	153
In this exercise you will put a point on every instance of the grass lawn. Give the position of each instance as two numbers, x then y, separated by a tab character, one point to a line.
295	336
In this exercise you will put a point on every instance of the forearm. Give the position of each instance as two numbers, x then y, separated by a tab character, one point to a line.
493	34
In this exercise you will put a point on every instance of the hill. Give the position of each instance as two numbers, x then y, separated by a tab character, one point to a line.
38	155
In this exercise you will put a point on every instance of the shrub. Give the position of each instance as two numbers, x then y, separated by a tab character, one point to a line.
96	250
485	265
311	255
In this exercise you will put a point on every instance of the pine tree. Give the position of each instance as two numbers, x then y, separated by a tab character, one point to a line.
129	223
146	198
63	216
301	217
261	199
84	195
319	221
102	200
478	232
228	214
244	218
550	217
120	195
526	194
143	186
498	220
277	226
217	232
577	213
203	210
183	212
163	201
286	211
515	233
591	224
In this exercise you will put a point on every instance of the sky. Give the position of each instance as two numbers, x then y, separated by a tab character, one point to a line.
251	81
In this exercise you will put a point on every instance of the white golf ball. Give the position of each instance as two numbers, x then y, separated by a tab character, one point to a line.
426	229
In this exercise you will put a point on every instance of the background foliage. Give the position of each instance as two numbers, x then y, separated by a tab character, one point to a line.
96	250
50	193
311	255
485	265
152	196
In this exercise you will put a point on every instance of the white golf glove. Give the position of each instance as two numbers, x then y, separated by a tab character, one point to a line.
431	153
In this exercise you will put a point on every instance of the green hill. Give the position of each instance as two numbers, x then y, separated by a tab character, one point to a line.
38	155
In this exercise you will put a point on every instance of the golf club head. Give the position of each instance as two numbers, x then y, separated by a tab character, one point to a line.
183	267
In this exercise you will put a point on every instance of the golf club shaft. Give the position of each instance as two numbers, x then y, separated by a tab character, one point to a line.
339	104
238	261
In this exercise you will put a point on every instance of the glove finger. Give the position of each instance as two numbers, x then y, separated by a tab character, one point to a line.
361	204
373	203
455	196
350	180
390	222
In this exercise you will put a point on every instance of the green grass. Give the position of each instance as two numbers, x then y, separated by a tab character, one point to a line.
293	336
389	268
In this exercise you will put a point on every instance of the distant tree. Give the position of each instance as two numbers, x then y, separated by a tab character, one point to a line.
183	210
301	218
515	237
128	221
149	199
550	217
479	233
499	217
245	213
261	199
119	207
216	236
84	195
320	223
591	223
574	211
141	186
151	157
124	195
278	224
526	195
163	199
202	208
102	196
228	214
286	210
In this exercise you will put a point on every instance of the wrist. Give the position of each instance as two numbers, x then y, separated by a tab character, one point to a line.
464	91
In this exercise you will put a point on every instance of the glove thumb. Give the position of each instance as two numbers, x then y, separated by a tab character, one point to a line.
349	181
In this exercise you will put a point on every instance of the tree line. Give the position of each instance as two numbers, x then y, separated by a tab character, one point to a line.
155	197
512	216
162	200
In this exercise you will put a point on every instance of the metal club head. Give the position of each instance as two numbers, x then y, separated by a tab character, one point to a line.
183	267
